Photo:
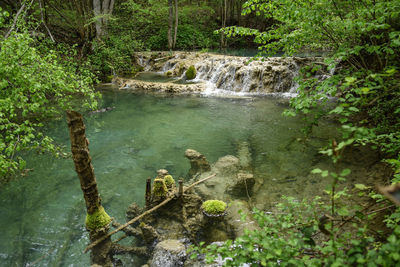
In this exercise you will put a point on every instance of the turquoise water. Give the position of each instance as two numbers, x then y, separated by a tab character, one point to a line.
42	214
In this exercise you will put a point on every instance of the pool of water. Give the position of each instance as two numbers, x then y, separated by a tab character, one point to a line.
42	215
149	76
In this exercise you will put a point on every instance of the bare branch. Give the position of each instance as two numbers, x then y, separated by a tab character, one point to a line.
44	23
16	19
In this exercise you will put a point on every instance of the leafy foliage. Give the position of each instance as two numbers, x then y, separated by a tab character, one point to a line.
288	237
361	44
35	85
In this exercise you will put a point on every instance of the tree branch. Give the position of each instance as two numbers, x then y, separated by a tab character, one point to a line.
93	244
16	19
44	23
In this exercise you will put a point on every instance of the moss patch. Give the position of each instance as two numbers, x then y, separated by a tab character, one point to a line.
169	181
191	73
159	188
214	207
97	220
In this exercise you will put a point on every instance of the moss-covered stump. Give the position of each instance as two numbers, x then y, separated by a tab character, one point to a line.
214	207
160	189
97	220
169	181
191	73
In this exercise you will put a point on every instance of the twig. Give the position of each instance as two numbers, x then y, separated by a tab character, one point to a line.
15	20
93	244
119	239
382	209
44	23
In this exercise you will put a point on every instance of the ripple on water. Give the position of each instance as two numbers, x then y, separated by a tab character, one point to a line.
42	215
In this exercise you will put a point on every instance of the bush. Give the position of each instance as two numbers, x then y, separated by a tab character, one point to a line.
286	237
36	84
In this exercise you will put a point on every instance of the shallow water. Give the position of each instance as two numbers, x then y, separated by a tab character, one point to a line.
42	215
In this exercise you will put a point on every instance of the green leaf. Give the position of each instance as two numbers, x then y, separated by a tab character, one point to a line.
343	211
316	171
345	172
361	187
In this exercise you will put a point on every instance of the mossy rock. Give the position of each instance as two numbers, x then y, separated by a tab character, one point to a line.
168	73
191	73
169	181
159	188
214	207
108	78
97	220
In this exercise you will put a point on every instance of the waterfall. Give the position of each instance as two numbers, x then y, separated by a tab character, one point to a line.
239	75
234	75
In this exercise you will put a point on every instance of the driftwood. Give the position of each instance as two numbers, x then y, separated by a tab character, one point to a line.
98	241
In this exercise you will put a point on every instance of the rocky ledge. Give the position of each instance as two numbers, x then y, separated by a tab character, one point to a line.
220	72
169	87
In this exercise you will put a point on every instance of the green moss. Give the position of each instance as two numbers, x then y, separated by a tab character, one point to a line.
159	188
191	73
169	181
168	73
97	220
214	207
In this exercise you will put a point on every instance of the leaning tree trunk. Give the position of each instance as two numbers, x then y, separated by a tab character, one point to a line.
97	220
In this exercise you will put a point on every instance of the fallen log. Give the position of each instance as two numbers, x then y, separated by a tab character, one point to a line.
98	241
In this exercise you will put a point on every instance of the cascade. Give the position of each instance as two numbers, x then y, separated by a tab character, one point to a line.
222	74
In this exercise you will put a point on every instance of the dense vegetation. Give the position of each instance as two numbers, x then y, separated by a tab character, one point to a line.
52	50
361	43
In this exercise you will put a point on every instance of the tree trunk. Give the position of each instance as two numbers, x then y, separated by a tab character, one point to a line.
176	24
223	19
97	220
98	23
102	9
170	24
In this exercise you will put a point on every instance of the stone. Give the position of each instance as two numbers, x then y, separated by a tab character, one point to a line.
244	156
133	211
149	234
243	186
233	218
227	165
169	253
198	162
161	173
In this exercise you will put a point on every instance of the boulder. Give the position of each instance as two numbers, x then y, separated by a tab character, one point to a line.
227	166
169	253
198	162
242	186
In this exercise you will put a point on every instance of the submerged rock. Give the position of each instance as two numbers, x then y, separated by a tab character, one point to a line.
133	211
198	162
169	253
243	186
227	165
149	234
